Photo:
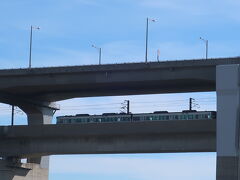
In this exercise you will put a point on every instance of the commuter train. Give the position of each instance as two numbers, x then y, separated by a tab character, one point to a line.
123	117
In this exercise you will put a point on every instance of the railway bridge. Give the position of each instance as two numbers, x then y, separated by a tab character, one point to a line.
36	90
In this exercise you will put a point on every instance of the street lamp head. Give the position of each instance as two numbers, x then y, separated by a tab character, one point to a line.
153	20
35	27
203	39
95	46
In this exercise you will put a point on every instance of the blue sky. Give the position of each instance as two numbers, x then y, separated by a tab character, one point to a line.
70	27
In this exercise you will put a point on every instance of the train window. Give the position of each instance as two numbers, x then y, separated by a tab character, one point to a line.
176	117
190	116
59	121
167	117
125	118
136	118
67	121
78	120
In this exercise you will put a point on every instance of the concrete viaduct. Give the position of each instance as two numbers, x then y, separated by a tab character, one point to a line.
36	90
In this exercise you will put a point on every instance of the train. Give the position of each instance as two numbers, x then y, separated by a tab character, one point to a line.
124	117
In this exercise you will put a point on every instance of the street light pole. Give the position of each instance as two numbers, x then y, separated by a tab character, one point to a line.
158	54
206	44
30	50
100	53
206	49
146	52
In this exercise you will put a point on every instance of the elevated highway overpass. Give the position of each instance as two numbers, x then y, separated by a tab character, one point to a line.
101	138
59	83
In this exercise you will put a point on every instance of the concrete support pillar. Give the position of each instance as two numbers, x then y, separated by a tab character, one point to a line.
228	101
36	116
36	168
12	170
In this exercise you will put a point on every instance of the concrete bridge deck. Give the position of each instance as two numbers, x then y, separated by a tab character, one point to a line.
101	138
59	83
